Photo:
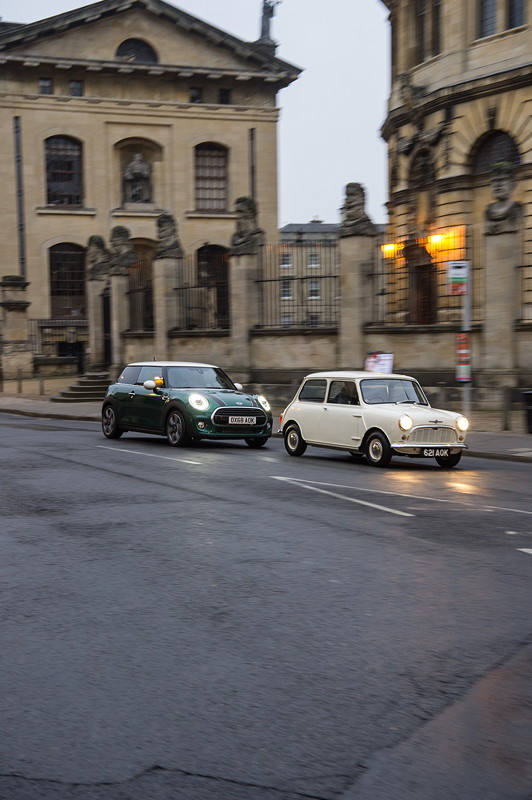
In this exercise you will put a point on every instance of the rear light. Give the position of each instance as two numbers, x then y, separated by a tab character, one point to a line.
280	419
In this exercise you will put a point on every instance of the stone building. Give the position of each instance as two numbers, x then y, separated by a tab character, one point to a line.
114	114
459	136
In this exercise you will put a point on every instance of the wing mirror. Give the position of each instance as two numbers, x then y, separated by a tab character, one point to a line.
239	387
150	385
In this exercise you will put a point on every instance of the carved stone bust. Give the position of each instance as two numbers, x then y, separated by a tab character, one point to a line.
248	237
168	245
122	251
503	215
137	181
355	221
98	258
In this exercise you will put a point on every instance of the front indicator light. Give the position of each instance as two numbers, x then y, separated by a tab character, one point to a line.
264	403
405	422
199	402
462	424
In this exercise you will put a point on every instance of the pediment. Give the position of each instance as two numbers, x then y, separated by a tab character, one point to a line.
93	34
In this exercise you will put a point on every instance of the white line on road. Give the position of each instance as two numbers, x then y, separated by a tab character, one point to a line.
303	485
524	550
148	455
476	505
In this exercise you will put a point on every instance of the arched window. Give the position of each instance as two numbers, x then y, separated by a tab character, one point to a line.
64	186
495	147
211	177
67	280
487	18
136	50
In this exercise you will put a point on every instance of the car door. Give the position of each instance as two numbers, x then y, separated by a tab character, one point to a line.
308	409
146	407
342	418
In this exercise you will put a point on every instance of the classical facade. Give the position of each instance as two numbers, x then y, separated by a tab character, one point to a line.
459	134
113	115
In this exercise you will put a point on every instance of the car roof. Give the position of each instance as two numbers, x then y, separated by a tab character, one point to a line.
356	374
169	364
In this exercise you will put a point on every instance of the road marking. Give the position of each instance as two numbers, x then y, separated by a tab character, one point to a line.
411	496
147	455
524	550
340	496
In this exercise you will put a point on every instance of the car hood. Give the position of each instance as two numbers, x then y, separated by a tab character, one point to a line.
228	397
423	415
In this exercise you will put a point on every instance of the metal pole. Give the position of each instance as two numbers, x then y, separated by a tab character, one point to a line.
466	328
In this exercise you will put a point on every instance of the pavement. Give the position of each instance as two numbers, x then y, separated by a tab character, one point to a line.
487	437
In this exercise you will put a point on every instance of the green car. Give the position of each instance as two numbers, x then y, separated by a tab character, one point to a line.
185	402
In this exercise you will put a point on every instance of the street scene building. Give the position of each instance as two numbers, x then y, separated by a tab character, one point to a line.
140	200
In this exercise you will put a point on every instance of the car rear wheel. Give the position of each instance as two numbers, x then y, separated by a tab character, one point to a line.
378	451
110	424
175	428
293	441
256	441
450	461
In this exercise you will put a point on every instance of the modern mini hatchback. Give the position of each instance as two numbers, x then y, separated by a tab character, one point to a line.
372	415
184	401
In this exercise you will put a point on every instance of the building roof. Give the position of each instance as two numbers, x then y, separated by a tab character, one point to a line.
260	57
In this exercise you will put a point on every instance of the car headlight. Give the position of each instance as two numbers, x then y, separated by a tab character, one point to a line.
405	422
199	402
462	423
264	403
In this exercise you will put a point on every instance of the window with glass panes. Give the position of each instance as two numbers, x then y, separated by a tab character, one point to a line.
67	280
515	13
211	177
63	171
487	18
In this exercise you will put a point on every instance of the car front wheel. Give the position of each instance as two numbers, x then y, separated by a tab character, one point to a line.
256	441
293	441
450	461
378	451
110	424
176	432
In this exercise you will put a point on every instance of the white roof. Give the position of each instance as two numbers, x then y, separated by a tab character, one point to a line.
356	375
169	364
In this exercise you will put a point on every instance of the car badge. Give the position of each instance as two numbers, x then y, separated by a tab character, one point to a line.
239	403
435	421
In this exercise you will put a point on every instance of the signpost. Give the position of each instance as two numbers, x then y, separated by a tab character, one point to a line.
458	284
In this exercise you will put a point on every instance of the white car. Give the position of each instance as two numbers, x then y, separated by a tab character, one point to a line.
373	415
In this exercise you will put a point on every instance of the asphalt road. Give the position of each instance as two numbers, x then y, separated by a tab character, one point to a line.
221	623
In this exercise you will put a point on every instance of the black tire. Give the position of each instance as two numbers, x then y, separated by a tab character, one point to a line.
110	423
293	441
176	429
256	441
450	461
377	450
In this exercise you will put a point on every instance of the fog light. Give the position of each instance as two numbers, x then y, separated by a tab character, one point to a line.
201	424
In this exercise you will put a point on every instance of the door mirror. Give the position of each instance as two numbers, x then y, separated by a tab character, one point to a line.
239	387
150	385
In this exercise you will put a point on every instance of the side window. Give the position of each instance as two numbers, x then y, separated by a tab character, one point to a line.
313	391
149	374
343	392
129	375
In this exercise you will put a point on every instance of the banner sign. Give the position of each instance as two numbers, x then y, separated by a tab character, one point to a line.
457	277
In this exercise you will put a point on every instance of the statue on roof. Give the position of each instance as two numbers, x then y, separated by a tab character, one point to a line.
268	10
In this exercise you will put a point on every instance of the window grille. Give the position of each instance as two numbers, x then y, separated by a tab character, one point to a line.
211	177
201	294
313	260
46	86
140	293
67	280
494	149
515	13
63	171
76	88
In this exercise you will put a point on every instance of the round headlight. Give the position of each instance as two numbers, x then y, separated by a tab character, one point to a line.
405	422
199	402
462	423
264	403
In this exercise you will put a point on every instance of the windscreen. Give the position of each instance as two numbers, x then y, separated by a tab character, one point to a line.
198	378
392	390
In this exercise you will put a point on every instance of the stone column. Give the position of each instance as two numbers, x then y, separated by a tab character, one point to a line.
503	253
119	318
95	287
167	276
244	305
15	355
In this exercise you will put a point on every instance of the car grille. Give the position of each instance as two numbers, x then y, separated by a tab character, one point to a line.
221	416
432	436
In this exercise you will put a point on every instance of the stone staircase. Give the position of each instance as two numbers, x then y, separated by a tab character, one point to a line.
89	388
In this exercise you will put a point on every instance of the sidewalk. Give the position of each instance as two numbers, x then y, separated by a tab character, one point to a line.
486	438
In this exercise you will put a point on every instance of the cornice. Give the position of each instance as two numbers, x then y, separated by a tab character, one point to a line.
447	96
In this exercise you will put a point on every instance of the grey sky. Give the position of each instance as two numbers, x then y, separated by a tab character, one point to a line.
331	116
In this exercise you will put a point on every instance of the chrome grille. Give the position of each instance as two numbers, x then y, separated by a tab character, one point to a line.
221	415
432	436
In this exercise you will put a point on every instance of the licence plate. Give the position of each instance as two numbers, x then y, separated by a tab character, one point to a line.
431	452
242	420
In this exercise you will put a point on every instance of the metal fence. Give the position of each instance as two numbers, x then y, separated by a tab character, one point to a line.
140	293
299	286
201	292
411	283
525	286
58	337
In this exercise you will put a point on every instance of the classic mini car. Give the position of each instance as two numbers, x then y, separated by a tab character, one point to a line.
184	401
373	415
